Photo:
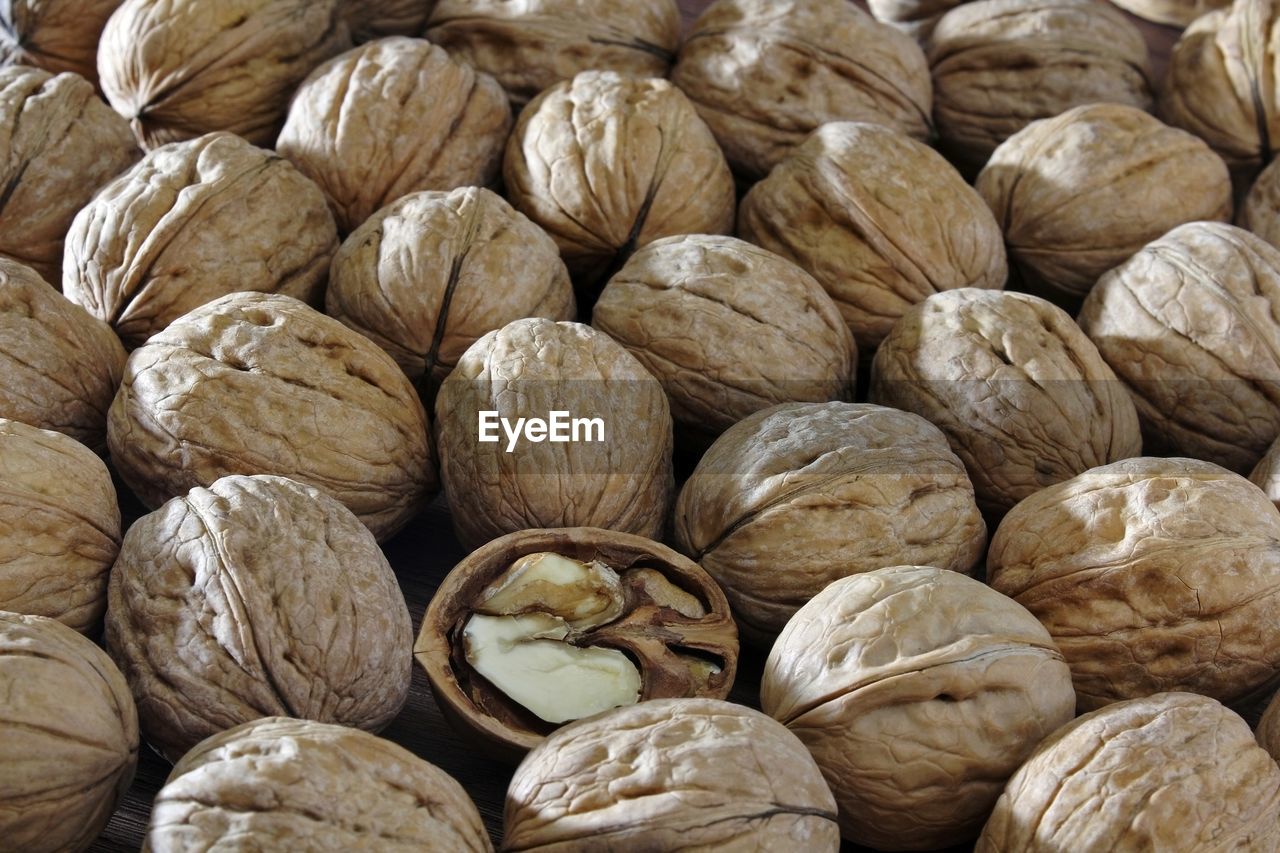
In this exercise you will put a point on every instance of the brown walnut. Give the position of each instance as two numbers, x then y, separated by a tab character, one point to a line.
56	35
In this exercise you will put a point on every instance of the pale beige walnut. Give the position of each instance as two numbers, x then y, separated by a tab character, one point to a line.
999	65
1260	212
256	597
59	527
1191	325
1174	13
1170	772
393	117
194	221
374	19
917	18
60	366
1022	395
617	476
427	275
919	692
1151	574
800	495
880	220
58	144
671	774
607	164
728	328
1079	193
533	44
56	35
68	736
279	783
178	69
256	383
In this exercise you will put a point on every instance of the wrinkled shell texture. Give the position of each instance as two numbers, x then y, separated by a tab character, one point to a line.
606	164
59	527
764	74
999	65
883	222
1170	772
1079	193
1266	474
261	384
919	692
68	736
671	774
531	45
178	69
58	144
56	35
374	19
393	117
729	329
1022	395
1151	574
194	221
257	597
1260	212
796	497
530	368
1190	325
61	367
295	784
1176	13
426	276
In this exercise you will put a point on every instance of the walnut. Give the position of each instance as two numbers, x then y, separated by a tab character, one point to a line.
194	221
1151	574
765	73
542	627
61	367
603	461
177	69
58	144
68	734
999	65
532	45
374	19
1268	732
1169	772
1174	13
1266	474
671	774
1065	191
283	783
56	35
255	383
1260	212
914	17
61	527
393	117
880	220
258	596
1022	395
919	692
798	496
606	164
1190	325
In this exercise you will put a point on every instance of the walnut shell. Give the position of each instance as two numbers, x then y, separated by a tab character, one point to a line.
880	220
1266	474
1260	212
1189	324
68	735
619	478
429	274
1151	574
281	783
194	221
798	496
606	164
374	19
1174	13
256	383
177	69
61	366
393	117
1079	193
916	18
61	527
1169	772
1268	732
728	329
1022	395
258	596
671	774
919	691
765	73
56	35
532	45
